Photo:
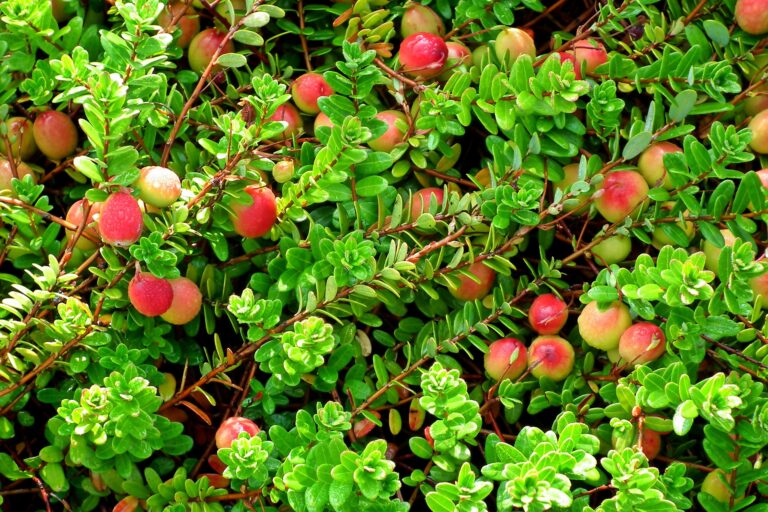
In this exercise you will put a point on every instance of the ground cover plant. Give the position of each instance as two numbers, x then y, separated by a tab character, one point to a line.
455	255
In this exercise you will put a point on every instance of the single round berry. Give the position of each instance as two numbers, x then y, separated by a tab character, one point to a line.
621	194
569	56
167	388
203	47
642	343
613	249
475	288
239	9
752	16
6	173
322	120
482	52
395	133
257	218
231	428
712	253
150	295
575	202
420	18
158	186
512	43
650	443
716	485
290	115
552	357
757	102
75	216
423	55
590	54
458	55
55	134
548	314
499	362
283	171
759	127
307	89
120	220
651	164
186	302
602	328
422	199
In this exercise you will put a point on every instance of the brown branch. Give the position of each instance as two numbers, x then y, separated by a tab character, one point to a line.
200	85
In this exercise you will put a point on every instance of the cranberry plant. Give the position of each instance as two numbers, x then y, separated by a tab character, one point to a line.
383	255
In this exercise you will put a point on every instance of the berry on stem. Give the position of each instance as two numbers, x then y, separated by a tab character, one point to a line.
290	115
150	295
283	171
458	55
570	57
394	134
576	202
423	55
642	343
421	200
650	443
752	16
498	360
757	102
613	249
6	173
651	164
257	218
203	47
513	42
323	120
603	328
120	220
621	194
55	134
186	302
712	253
231	428
590	53
158	186
420	18
716	485
552	357
306	90
469	288
759	127
548	314
75	216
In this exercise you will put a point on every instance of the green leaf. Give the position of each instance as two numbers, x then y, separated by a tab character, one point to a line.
338	493
439	503
88	168
717	32
420	447
371	186
637	145
9	469
231	60
248	37
682	105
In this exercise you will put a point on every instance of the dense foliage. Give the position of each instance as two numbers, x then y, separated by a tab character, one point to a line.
180	245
